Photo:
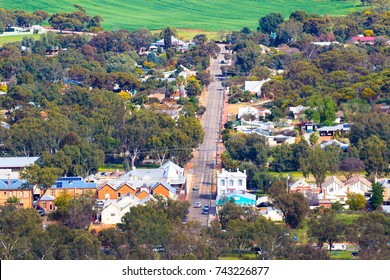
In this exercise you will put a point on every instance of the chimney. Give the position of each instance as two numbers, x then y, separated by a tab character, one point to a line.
324	193
238	169
9	180
244	171
347	190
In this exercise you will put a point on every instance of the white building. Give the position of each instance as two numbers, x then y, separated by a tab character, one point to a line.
114	210
231	182
297	111
255	86
248	110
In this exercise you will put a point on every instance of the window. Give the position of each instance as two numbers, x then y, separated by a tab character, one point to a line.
51	192
240	182
112	214
81	191
107	196
222	183
21	194
230	183
119	194
10	193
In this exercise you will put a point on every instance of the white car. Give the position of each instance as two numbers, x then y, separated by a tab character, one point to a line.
197	204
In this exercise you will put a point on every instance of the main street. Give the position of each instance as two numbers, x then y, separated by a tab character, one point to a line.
203	171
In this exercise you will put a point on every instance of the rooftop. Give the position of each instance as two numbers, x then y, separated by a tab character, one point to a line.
17	162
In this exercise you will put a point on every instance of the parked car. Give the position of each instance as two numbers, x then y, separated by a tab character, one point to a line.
99	203
184	221
206	207
205	211
41	212
196	188
197	204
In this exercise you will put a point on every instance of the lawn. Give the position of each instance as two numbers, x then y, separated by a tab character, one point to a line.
16	38
236	256
211	15
348	219
341	255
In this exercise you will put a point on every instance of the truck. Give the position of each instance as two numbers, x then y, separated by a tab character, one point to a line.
338	247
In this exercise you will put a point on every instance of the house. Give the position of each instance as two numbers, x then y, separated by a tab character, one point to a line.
16	163
301	186
334	190
165	181
114	210
358	182
75	186
11	188
360	39
297	111
159	96
47	202
255	86
385	182
249	110
176	43
343	146
231	182
331	130
325	44
332	184
274	140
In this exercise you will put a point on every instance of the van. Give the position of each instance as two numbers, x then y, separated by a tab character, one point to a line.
338	247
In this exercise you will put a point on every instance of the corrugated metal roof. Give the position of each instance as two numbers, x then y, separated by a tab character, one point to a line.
9	162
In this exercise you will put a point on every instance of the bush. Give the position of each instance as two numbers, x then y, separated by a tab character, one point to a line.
12	199
337	206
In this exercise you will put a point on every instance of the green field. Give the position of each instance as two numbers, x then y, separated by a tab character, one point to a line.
16	38
212	15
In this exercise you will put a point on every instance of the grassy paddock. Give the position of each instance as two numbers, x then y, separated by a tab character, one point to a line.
212	15
16	38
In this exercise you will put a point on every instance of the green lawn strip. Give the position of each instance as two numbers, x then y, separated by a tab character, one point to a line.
236	256
16	38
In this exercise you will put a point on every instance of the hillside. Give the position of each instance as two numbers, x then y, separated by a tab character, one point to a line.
212	15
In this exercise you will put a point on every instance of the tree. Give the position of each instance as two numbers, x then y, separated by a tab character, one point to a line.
337	206
351	165
193	87
314	137
270	22
17	228
294	207
307	252
200	39
289	31
376	198
370	232
168	33
318	164
356	201
41	178
375	155
326	228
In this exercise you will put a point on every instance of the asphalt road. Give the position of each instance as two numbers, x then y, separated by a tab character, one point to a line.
204	164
